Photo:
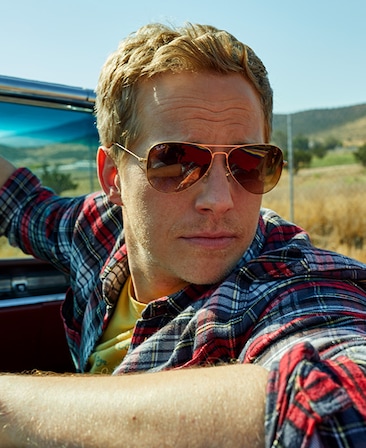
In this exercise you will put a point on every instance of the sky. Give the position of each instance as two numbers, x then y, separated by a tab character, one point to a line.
314	50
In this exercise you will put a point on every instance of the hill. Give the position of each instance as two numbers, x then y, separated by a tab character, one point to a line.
347	124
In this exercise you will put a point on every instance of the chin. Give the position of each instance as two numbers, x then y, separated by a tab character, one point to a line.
209	276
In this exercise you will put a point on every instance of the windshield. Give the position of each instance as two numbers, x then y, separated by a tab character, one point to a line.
58	143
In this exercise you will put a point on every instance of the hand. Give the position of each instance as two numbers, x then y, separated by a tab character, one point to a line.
6	170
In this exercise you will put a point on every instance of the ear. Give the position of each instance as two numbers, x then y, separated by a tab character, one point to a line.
108	175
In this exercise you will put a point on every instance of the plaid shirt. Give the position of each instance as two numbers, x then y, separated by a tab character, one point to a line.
296	310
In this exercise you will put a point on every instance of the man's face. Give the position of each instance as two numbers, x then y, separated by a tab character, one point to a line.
197	235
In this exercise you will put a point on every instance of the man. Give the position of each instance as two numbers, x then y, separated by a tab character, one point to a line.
197	276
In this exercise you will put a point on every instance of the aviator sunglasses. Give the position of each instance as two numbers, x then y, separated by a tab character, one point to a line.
172	167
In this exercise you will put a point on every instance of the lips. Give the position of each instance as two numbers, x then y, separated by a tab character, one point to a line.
216	241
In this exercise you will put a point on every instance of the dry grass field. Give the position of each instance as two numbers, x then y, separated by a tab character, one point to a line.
329	203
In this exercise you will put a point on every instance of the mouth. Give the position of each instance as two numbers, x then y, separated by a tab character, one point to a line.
213	241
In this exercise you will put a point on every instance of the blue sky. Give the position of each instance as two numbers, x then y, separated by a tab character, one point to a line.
314	50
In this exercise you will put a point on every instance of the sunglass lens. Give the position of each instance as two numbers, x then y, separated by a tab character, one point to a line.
174	167
257	169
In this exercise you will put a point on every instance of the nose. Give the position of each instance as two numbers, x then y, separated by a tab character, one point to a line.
215	193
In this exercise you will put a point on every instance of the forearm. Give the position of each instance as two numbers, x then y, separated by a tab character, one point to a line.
204	407
6	170
38	221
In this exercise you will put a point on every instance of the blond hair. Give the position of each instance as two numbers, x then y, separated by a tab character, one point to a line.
157	48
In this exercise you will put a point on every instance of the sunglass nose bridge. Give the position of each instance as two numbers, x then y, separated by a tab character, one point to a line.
228	173
226	155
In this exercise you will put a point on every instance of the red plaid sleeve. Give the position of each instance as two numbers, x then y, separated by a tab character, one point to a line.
313	399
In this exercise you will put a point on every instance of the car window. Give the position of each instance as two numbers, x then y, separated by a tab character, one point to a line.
57	141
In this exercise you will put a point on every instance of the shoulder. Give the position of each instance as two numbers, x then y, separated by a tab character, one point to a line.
278	232
286	251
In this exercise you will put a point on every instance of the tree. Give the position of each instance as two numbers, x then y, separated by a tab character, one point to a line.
332	143
360	154
319	150
59	182
301	143
302	159
301	154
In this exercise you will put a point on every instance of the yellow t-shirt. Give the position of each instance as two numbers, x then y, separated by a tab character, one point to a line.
116	339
